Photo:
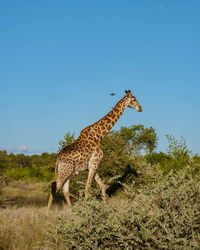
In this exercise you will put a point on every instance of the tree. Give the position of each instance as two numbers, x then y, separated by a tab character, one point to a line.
23	161
179	152
3	161
177	149
138	138
68	139
121	149
178	157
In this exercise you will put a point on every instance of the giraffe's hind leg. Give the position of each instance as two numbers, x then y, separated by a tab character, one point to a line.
52	195
60	182
49	203
66	193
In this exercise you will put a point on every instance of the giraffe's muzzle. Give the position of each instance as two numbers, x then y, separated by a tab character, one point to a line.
139	109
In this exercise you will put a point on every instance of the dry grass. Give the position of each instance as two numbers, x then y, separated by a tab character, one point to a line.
23	223
21	228
27	227
20	194
21	220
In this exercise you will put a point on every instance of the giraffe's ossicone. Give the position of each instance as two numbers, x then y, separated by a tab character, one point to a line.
85	153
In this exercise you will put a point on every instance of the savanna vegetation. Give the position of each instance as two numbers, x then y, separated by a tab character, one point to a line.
153	198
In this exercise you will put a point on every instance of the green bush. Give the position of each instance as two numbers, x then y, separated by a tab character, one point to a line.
178	157
17	174
34	173
162	215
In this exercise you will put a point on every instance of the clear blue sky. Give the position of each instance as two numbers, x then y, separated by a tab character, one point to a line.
60	60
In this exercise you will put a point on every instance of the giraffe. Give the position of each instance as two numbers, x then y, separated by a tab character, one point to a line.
85	153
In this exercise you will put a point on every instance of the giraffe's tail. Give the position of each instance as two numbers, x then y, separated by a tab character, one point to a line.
53	184
53	189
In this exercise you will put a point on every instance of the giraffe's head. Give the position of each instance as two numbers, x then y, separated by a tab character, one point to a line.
132	102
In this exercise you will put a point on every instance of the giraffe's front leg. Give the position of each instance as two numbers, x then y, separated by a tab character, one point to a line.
102	187
93	165
91	174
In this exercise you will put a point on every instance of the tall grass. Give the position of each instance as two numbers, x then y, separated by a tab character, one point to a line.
21	228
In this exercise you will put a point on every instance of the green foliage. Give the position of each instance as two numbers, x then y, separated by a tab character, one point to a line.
21	167
33	173
195	165
22	161
178	157
3	160
178	149
122	152
119	149
68	140
161	215
138	138
115	157
123	157
17	174
160	158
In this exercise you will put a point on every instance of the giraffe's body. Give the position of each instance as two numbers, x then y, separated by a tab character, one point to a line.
85	153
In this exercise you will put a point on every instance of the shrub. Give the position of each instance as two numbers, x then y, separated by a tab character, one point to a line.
163	214
178	157
17	174
33	173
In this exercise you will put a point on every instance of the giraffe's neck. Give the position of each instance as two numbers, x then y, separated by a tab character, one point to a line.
103	126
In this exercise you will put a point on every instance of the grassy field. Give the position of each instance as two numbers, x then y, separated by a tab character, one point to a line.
23	223
162	214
